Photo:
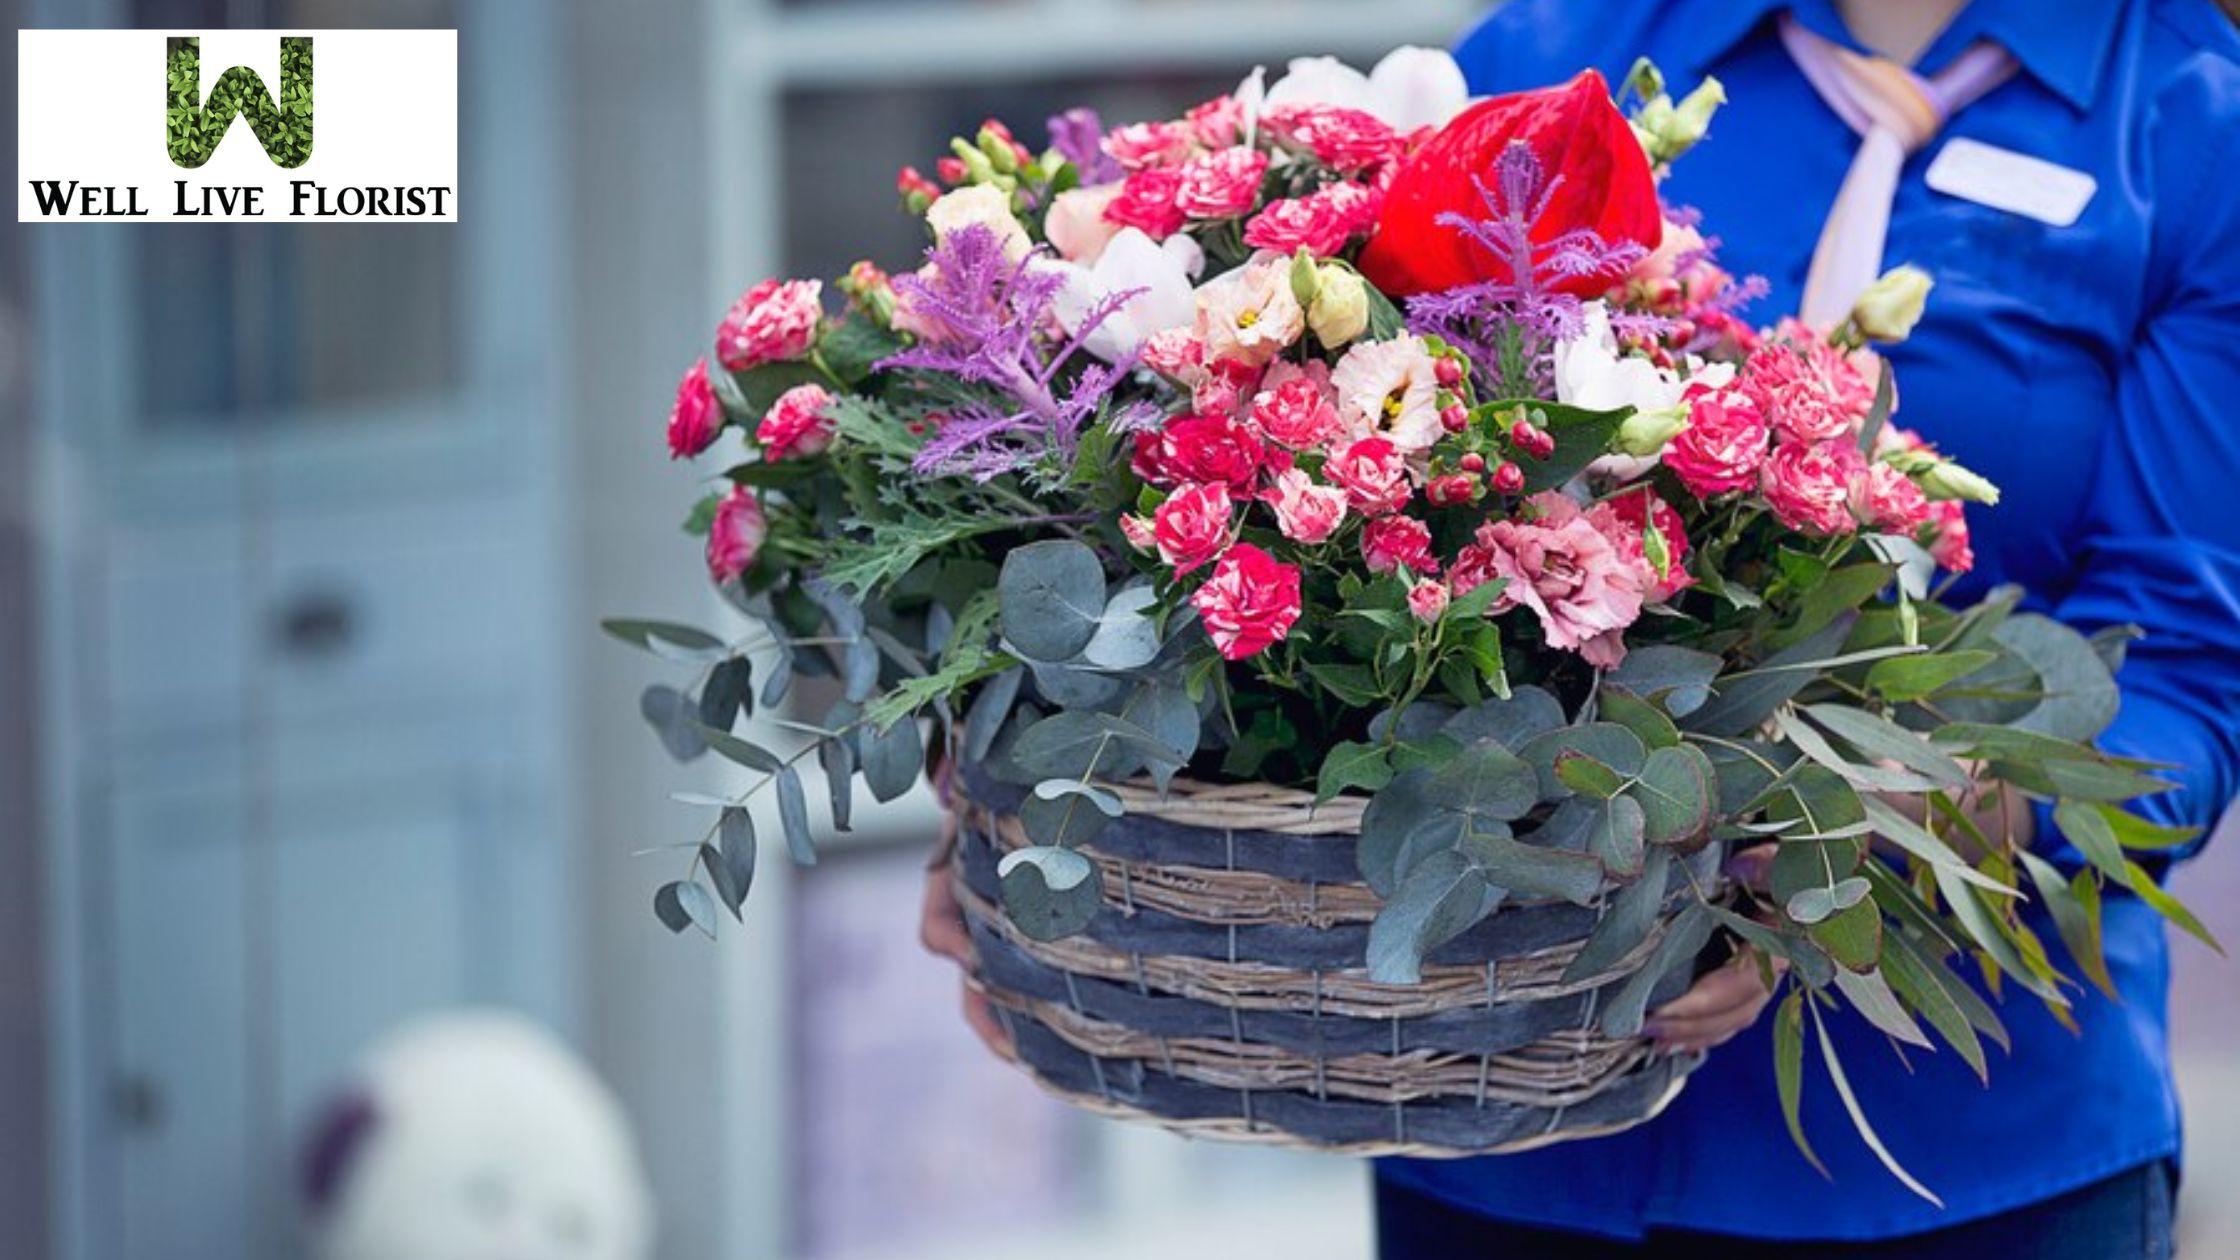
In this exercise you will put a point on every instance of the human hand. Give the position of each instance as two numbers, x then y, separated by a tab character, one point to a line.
1716	1007
941	928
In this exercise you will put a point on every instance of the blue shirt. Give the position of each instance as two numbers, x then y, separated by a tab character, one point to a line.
2092	371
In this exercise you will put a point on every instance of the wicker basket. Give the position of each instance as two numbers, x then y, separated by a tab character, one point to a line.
1221	992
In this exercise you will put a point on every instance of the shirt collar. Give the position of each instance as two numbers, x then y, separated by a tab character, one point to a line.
2066	53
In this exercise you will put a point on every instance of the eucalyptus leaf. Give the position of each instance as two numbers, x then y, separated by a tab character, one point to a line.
891	759
1440	899
2079	690
1678	792
1680	677
1684	938
988	711
735	853
728	692
672	715
1527	712
1740	704
1125	636
1627	921
1053	595
793	816
1068	820
1080	745
1049	892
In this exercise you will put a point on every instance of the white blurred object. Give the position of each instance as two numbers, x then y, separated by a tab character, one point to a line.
475	1135
1410	88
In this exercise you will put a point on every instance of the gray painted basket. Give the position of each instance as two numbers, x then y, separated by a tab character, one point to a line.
1221	989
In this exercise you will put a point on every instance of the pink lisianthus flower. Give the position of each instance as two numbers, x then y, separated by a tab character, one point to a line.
1144	145
1146	202
1340	138
1201	448
696	417
1885	499
1946	536
1221	185
1374	475
1625	520
1390	389
773	322
1565	570
796	425
1306	512
1390	544
1723	445
735	535
1297	413
1250	314
1250	603
1191	528
1808	485
1427	599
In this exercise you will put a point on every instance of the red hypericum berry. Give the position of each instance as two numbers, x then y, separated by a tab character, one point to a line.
1455	417
1543	444
1473	462
1454	488
952	170
1449	371
1508	479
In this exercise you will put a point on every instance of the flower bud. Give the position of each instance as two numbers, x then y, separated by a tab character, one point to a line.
1667	129
1508	479
1448	368
1892	305
1644	433
1454	417
999	149
1472	462
1305	284
1340	311
868	287
977	168
1947	480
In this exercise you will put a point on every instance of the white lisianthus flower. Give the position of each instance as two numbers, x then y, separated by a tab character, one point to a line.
985	205
1592	374
1412	87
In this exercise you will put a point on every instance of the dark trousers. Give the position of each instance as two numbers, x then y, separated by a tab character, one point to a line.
2126	1217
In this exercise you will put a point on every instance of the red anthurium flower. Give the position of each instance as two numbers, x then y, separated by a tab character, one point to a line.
1601	181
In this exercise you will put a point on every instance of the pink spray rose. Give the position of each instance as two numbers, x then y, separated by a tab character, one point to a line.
1318	223
1143	145
735	536
1298	414
1347	139
1221	185
796	425
696	418
1140	532
1192	526
1809	486
1218	123
1427	599
1146	202
1807	389
1885	499
1175	353
1250	603
1201	448
1625	521
1373	474
1723	445
1306	512
773	322
1565	570
1390	544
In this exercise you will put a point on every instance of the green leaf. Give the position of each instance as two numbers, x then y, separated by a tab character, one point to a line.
1053	595
1677	790
1917	840
1606	742
1581	436
1909	974
1639	716
1509	722
1840	592
2085	827
891	758
1583	774
1870	995
850	346
728	691
1859	1116
1987	937
1871	778
1788	1072
2134	832
1626	921
1067	819
1440	899
1908	678
672	715
2075	908
1741	703
1482	790
1125	637
645	634
1853	937
2079	691
1531	871
989	709
1078	744
2170	907
683	904
1049	892
1350	766
836	755
1616	834
793	816
1354	685
1680	676
732	748
1879	737
1684	938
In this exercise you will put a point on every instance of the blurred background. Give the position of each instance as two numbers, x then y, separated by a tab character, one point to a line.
306	728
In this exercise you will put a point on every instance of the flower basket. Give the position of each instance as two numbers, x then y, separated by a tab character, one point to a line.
1221	988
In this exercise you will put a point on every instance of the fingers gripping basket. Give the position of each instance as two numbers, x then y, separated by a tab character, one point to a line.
1221	989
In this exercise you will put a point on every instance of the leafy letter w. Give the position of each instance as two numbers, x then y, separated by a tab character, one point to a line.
193	129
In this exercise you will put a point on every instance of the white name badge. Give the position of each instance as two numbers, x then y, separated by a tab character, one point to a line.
2014	182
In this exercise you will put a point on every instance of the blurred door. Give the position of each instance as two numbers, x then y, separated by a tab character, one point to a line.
303	601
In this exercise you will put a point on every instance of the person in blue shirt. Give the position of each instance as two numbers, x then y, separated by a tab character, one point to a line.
2091	369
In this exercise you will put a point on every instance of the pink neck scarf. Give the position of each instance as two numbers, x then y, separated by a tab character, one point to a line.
1896	113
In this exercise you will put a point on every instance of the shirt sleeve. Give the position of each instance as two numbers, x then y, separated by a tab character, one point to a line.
2162	545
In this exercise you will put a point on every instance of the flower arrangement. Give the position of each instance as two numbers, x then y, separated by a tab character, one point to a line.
1348	434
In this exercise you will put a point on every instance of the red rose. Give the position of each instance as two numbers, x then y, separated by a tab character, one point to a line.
1250	603
1201	448
1597	175
1392	543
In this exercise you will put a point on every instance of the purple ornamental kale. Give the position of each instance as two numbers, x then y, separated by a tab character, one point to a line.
1510	326
984	319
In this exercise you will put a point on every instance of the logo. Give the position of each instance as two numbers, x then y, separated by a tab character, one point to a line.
236	136
194	128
